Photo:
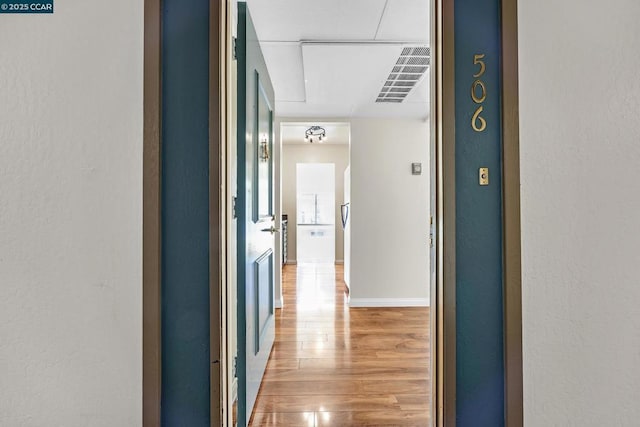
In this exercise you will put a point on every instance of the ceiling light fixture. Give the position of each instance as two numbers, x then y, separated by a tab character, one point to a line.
317	132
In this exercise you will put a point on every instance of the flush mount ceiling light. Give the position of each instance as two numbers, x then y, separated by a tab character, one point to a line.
315	132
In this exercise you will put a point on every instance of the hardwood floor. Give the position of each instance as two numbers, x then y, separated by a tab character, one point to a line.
336	366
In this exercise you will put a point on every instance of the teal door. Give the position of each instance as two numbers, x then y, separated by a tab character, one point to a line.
256	221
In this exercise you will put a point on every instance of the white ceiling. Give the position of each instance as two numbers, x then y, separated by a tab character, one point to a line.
337	133
330	58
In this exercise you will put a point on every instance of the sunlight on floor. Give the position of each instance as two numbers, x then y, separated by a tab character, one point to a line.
335	366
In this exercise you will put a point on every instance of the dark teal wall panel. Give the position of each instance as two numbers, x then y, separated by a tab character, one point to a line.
479	313
185	213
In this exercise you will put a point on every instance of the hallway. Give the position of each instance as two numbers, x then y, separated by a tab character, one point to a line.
336	366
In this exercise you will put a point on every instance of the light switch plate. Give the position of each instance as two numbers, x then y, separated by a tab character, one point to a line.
416	168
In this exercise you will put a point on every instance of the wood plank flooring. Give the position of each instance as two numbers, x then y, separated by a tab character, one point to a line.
332	365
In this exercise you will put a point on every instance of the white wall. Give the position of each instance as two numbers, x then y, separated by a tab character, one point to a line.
316	153
389	212
580	154
70	216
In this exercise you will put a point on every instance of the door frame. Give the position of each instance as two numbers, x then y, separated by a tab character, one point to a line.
152	211
511	217
443	291
151	220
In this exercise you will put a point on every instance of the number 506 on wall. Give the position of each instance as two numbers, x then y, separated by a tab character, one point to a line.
478	94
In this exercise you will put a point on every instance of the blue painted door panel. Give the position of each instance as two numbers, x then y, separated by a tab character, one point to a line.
256	324
479	307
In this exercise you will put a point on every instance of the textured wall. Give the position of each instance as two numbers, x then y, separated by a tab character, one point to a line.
70	216
580	152
291	156
389	211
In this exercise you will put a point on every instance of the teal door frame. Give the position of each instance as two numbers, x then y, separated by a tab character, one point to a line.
478	343
183	227
185	193
445	123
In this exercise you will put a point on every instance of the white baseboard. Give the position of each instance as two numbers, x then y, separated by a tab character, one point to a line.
234	390
278	302
389	302
294	262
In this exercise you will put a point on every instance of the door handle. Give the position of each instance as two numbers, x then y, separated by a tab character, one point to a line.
271	230
344	209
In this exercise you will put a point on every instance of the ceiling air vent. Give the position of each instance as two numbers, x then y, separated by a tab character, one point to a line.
405	74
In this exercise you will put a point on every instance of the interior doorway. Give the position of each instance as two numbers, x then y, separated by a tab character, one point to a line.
315	213
368	74
219	115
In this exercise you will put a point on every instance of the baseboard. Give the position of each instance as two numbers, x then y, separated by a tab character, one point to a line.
234	390
294	262
389	302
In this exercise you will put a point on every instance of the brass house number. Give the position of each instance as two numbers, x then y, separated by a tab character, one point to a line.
478	94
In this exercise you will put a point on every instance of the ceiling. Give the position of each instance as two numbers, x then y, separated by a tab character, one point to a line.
336	133
331	58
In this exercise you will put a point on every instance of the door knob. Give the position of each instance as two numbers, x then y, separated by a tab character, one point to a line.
271	230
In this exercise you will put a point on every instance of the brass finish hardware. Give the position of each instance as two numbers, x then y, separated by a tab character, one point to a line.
483	92
478	123
483	176
477	60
